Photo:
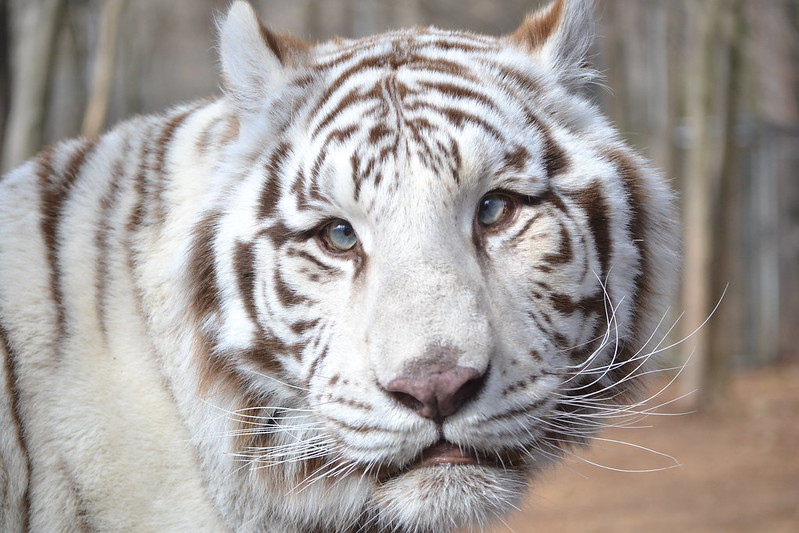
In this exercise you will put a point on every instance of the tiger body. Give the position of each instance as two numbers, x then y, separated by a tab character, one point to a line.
279	311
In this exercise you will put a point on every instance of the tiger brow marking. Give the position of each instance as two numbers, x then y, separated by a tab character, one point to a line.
553	156
460	118
343	77
270	194
10	364
55	189
458	92
336	135
515	160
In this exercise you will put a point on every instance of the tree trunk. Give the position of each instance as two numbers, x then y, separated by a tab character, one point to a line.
36	25
698	189
97	107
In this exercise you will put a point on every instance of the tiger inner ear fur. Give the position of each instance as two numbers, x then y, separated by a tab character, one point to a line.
254	59
560	37
539	27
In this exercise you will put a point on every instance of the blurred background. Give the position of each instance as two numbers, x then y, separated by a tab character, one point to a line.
707	89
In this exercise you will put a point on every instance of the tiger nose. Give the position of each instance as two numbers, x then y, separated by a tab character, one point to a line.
437	391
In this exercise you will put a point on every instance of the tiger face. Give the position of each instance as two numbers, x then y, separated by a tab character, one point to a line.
444	265
378	285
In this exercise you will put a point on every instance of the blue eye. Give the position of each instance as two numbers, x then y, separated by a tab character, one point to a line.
494	208
339	236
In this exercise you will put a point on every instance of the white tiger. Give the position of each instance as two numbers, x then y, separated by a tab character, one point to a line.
378	285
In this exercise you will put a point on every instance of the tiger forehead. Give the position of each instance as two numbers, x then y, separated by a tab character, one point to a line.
403	47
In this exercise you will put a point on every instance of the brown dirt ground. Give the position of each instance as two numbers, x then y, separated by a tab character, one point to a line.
738	473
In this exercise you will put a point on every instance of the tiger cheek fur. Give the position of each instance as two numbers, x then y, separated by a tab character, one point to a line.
379	285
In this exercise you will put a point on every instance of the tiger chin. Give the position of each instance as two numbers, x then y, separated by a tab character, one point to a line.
376	285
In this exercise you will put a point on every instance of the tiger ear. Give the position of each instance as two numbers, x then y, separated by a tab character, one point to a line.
560	36
255	61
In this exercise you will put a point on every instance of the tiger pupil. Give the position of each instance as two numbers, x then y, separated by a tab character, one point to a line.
492	209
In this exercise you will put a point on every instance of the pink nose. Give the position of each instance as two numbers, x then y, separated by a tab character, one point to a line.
436	390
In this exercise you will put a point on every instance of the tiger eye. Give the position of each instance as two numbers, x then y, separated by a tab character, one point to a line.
494	209
339	236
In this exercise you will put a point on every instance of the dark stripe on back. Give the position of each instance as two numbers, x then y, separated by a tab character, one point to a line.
9	362
103	236
157	179
55	187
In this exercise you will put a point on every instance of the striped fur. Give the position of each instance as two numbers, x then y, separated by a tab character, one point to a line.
183	350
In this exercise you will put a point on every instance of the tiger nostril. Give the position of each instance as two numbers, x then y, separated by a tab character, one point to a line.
407	400
439	392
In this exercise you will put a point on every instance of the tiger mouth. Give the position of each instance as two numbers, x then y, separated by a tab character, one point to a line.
445	453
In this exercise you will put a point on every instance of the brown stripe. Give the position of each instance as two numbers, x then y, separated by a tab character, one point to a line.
459	118
202	268
553	157
55	188
592	201
287	295
327	269
564	253
153	198
515	160
10	367
204	137
518	237
312	369
363	64
244	264
475	46
519	80
461	93
270	195
103	235
639	224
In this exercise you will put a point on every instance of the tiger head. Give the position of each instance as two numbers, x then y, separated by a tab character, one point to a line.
431	265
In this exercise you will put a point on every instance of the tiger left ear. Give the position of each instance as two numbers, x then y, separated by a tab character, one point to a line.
560	36
255	61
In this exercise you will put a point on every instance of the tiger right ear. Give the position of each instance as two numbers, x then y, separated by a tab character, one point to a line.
254	59
560	36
